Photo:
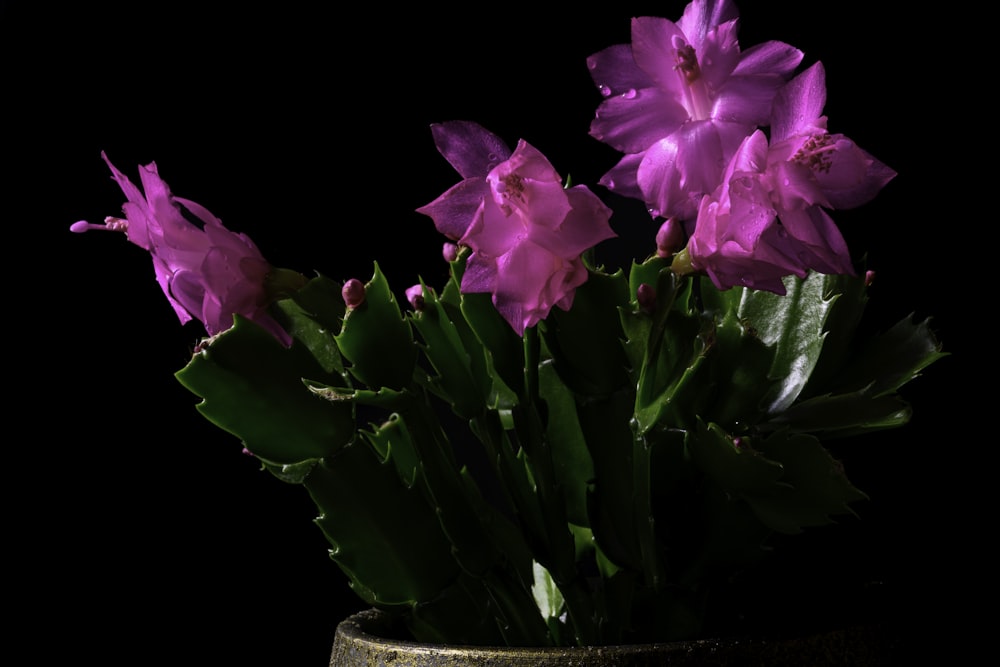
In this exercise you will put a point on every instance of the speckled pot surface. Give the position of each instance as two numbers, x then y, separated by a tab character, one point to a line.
359	642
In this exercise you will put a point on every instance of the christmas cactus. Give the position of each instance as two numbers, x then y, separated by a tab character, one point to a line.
545	450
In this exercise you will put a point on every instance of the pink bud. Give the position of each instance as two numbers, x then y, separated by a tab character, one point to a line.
415	295
450	252
645	294
353	293
669	238
869	277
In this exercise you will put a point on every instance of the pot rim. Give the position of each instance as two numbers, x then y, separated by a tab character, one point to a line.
358	643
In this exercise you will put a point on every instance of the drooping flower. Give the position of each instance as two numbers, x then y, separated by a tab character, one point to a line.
528	237
768	220
679	101
207	273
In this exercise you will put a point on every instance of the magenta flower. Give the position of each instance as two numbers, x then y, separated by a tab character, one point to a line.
528	236
767	219
473	151
679	101
207	273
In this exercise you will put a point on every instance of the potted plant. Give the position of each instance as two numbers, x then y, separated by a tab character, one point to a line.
545	450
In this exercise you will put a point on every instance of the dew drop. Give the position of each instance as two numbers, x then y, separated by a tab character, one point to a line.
629	94
592	63
605	90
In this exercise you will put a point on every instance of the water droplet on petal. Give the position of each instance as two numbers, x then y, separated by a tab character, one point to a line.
592	62
605	90
629	94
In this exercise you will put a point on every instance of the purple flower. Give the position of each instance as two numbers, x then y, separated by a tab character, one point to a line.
528	236
207	273
473	151
526	230
679	101
767	219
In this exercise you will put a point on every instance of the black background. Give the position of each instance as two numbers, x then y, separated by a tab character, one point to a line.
139	526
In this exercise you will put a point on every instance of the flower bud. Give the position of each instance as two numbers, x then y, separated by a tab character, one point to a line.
645	294
450	252
415	295
353	293
669	238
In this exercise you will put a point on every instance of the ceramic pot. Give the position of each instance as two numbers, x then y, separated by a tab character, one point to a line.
366	639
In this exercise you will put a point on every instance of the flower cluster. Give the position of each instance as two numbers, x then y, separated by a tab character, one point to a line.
639	434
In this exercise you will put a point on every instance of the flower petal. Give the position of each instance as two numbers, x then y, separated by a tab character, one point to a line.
469	147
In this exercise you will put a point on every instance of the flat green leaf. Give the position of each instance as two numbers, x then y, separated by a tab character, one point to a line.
664	346
844	415
891	359
459	377
572	464
739	470
547	596
586	341
385	536
313	318
505	347
377	339
253	387
814	487
794	325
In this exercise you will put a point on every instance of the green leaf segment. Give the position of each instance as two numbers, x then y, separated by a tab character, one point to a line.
589	483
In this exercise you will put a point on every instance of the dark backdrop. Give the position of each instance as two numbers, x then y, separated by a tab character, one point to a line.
143	528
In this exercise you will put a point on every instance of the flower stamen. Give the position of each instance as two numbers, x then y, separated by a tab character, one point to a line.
816	153
696	97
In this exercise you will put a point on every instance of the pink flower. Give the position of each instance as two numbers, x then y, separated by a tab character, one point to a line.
473	151
767	219
527	238
679	101
207	273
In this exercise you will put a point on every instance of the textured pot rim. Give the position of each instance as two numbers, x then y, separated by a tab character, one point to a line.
359	644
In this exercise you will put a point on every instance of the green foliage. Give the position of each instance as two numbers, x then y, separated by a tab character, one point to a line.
590	482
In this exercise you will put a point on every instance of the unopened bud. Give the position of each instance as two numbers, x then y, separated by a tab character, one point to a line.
669	238
869	277
415	295
645	294
353	293
450	252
